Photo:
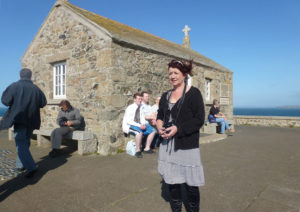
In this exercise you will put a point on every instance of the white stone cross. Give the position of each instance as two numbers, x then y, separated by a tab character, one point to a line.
186	30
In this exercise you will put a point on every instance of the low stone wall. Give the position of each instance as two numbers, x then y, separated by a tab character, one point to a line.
269	121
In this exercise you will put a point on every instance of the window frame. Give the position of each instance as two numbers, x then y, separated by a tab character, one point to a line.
207	89
59	82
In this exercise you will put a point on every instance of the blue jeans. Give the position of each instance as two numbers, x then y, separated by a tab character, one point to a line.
22	139
224	124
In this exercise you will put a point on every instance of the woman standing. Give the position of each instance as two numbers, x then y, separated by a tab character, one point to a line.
179	119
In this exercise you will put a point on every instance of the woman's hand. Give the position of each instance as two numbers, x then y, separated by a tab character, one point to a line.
161	130
170	132
165	133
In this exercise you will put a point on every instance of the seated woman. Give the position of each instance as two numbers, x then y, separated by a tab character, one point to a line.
69	119
218	117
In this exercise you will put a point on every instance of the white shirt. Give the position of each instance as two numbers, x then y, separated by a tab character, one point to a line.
154	108
128	118
146	109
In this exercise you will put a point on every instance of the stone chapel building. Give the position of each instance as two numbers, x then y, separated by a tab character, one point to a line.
98	64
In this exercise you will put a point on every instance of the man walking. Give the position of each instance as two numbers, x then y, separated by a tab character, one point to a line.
24	100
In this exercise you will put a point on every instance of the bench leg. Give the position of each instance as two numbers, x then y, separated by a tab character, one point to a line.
43	141
87	146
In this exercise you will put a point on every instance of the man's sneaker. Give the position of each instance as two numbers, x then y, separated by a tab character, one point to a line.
138	154
150	151
30	174
53	153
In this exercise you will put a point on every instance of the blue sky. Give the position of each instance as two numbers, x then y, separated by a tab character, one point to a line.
259	40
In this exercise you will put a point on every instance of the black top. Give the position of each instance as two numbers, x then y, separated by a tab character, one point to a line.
214	111
190	118
24	100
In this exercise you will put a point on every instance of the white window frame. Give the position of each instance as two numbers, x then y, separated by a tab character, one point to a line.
59	80
207	89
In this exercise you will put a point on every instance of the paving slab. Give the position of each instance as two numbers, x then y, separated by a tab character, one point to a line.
254	170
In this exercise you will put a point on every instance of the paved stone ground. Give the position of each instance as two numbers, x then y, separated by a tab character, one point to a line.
7	165
255	170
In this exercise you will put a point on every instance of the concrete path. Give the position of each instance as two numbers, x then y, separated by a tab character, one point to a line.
255	170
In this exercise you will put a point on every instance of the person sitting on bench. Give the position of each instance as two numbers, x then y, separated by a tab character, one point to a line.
69	119
134	122
216	116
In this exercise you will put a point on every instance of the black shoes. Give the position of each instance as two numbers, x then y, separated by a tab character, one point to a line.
138	154
53	153
30	174
150	151
20	169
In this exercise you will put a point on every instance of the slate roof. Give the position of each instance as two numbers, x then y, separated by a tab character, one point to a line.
125	34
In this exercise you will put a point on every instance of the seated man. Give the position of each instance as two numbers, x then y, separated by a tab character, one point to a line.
146	107
134	122
69	119
149	115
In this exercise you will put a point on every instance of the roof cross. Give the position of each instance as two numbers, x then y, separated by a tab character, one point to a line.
186	30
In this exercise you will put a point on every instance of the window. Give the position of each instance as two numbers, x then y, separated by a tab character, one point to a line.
59	81
207	89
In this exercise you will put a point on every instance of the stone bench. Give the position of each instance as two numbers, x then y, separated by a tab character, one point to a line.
211	128
87	143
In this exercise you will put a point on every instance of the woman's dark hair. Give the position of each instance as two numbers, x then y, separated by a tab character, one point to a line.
68	104
184	66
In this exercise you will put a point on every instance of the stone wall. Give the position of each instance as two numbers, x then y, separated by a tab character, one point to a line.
137	70
269	121
102	75
88	64
221	88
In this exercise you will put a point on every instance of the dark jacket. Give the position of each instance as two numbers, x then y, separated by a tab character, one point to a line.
24	100
190	118
73	115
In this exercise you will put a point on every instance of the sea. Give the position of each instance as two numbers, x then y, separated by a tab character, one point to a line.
2	111
246	111
267	111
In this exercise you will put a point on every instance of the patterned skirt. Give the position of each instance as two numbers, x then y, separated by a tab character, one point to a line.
181	166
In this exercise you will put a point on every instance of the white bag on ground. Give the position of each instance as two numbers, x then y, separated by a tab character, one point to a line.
131	147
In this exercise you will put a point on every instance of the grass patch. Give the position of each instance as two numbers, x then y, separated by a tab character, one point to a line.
120	151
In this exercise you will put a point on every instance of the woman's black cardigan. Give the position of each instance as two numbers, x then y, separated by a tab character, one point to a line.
190	118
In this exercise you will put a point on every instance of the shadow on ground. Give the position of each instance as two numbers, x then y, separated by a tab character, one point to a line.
45	165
